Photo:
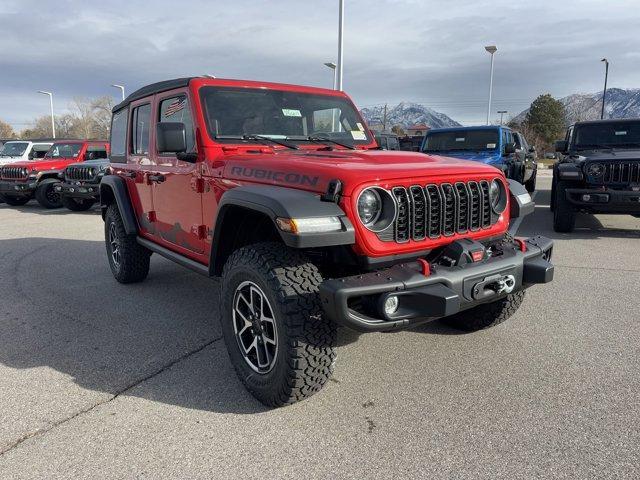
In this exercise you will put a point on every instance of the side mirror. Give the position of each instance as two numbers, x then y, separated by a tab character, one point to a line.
31	156
509	148
171	137
561	146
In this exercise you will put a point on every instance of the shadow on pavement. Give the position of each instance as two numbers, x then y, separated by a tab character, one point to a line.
35	208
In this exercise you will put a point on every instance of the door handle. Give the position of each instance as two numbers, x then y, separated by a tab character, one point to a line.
129	174
156	177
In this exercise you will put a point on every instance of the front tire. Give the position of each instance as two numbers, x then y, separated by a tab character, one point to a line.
530	184
281	347
564	216
129	261
46	195
16	201
487	315
77	205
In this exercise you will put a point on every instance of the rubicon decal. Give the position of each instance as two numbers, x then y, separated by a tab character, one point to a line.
292	178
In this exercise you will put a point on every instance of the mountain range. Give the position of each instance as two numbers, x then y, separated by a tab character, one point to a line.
407	114
621	103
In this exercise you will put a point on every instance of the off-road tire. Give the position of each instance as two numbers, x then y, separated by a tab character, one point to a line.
46	196
16	201
487	315
530	184
564	216
79	205
134	259
306	341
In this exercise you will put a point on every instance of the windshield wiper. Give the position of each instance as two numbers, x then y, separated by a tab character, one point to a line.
325	140
256	137
593	146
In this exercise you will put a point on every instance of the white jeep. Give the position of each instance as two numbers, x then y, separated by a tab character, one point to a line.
21	150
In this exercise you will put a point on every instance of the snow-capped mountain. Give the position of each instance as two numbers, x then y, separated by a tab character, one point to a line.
621	103
407	114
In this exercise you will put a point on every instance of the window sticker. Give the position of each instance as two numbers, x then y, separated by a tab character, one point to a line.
360	127
290	112
460	139
621	132
491	145
358	135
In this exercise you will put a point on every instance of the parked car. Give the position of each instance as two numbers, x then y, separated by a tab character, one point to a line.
309	225
387	140
411	143
494	145
79	188
22	181
599	171
23	150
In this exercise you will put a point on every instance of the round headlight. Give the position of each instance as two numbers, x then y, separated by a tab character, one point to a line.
498	196
369	206
595	170
25	172
92	172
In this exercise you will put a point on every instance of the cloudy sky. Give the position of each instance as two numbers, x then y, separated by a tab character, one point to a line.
428	51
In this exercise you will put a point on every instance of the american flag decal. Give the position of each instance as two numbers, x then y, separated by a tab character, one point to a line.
175	106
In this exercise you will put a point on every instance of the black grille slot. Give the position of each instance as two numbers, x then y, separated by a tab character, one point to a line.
449	210
419	214
463	207
475	208
402	227
13	173
83	173
486	204
621	172
435	211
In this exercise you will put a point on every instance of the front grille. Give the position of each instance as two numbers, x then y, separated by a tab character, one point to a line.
83	173
13	173
434	211
621	172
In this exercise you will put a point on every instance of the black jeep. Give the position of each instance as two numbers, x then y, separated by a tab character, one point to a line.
599	171
80	185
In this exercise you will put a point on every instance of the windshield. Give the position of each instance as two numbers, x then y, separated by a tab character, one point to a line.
14	149
64	150
473	140
607	135
233	113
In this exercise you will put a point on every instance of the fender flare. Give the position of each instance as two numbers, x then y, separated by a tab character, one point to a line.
114	189
281	202
520	200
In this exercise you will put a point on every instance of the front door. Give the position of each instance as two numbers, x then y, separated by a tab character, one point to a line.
177	184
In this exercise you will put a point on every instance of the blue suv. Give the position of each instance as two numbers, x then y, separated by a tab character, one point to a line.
494	145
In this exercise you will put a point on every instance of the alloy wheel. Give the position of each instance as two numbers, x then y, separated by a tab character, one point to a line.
114	243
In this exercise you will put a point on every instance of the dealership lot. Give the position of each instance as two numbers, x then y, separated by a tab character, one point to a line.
98	379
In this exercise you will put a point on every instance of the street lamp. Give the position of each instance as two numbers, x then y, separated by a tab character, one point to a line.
604	93
121	87
340	45
502	112
53	123
332	66
491	49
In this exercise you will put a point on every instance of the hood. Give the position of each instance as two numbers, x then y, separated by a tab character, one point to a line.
91	163
489	156
42	165
312	170
606	155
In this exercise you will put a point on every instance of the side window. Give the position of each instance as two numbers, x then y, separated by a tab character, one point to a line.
176	109
96	151
518	140
140	120
119	135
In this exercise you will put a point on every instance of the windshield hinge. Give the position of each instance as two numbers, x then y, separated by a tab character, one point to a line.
332	194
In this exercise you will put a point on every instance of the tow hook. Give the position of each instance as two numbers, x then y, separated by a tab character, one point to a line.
494	285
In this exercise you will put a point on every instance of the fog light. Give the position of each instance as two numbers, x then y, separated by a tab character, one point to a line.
90	189
586	198
58	188
71	189
391	305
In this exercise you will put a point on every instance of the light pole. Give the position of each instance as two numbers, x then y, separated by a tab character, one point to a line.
53	123
121	87
501	112
491	49
340	45
604	93
332	66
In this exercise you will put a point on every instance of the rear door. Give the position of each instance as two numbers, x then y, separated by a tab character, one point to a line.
177	184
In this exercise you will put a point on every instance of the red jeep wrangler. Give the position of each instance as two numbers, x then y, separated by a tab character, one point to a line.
282	191
21	181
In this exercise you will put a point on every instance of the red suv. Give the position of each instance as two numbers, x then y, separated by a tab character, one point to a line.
22	181
282	191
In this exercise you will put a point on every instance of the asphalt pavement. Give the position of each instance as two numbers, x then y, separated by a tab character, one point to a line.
102	380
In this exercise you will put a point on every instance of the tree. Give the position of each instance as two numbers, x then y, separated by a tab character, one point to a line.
398	130
546	118
6	130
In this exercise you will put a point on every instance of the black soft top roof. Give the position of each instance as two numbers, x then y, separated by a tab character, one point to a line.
152	89
607	121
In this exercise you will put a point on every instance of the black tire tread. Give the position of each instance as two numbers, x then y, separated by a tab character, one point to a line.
16	201
134	258
41	193
489	314
564	216
311	339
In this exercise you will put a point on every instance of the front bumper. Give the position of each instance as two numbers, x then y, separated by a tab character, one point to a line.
605	201
82	190
17	189
442	292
